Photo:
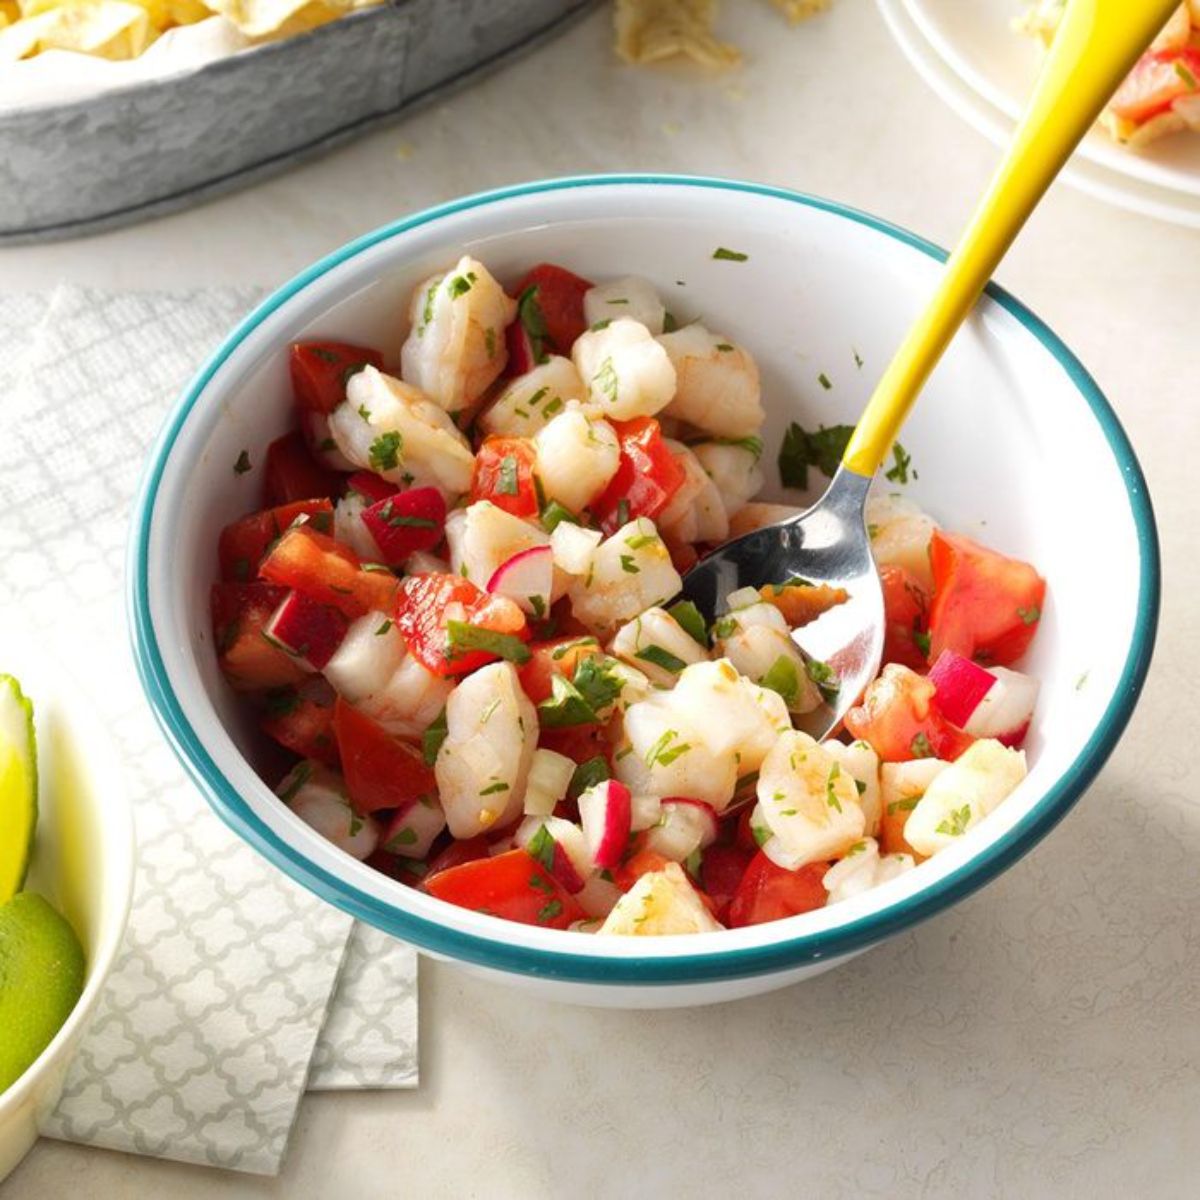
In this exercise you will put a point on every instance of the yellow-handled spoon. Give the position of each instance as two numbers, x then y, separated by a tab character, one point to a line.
1097	43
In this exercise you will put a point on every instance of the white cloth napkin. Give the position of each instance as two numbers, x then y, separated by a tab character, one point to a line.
235	988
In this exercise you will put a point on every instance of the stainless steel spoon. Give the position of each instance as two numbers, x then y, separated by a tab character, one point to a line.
1096	44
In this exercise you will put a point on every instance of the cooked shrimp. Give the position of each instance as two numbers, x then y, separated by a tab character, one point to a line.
696	512
900	534
862	869
626	372
628	573
410	701
756	639
390	428
717	387
758	515
456	349
532	399
809	803
576	458
660	902
318	797
482	537
734	469
628	297
483	765
657	645
862	763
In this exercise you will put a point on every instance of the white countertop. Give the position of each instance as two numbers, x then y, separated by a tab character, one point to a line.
1043	1038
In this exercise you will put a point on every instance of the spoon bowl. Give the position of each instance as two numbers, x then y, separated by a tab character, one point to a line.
827	544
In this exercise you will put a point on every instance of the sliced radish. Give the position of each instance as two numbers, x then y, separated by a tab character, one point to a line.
527	578
987	703
605	813
684	827
961	685
308	631
406	522
411	832
370	487
521	358
560	847
1005	712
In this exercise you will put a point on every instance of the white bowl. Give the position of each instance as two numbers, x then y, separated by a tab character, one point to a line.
1012	440
83	863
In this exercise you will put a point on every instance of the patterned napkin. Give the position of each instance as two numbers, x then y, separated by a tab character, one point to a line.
235	989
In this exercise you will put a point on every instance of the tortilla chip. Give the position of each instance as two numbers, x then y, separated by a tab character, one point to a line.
156	10
651	31
113	29
800	10
282	18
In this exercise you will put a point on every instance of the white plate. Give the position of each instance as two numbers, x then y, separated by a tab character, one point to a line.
973	60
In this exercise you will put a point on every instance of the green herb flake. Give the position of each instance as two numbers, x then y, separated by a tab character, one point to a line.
1081	682
432	739
538	604
721	254
405	837
752	445
858	359
663	752
243	463
460	285
901	466
549	911
640	540
670	324
661	658
384	453
364	412
725	347
555	406
1029	616
606	380
462	637
587	775
298	778
629	566
906	805
281	701
801	449
920	746
922	641
383	629
835	773
725	627
565	707
494	789
599	325
783	678
529	313
824	676
596	681
762	835
824	381
955	825
689	618
1186	75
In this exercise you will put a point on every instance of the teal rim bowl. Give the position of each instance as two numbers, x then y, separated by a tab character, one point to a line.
795	943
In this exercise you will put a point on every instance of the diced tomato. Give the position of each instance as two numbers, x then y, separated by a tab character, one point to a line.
891	828
370	486
301	719
744	832
559	299
459	852
239	613
406	522
504	475
380	771
244	544
579	743
641	862
905	611
328	572
770	893
721	871
985	606
648	475
426	602
320	371
409	871
522	357
547	659
1156	82
512	885
900	718
291	473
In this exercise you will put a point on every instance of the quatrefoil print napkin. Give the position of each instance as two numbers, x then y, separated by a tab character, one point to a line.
235	989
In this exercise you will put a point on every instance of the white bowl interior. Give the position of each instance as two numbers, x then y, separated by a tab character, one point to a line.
1004	444
83	863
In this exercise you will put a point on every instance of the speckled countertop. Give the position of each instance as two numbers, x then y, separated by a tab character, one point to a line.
1040	1040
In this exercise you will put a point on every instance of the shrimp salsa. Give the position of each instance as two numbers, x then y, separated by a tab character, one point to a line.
454	612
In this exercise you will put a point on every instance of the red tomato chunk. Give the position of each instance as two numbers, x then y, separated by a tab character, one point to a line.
244	544
328	572
770	893
648	475
320	371
381	771
291	473
512	885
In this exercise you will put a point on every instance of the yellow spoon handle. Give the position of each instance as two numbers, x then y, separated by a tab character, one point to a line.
1096	44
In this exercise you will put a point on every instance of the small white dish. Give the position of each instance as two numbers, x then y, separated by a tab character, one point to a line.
824	291
83	863
970	56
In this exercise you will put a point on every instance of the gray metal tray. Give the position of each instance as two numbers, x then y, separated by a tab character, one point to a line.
147	149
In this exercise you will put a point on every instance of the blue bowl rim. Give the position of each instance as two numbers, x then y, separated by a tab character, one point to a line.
788	953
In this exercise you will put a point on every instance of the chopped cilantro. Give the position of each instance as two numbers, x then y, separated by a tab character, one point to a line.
541	847
641	539
295	781
752	445
599	325
688	617
824	676
243	463
663	752
824	381
383	629
587	775
670	324
762	834
432	739
1186	75
921	641
554	514
1029	616
628	565
858	359
596	683
462	636
902	464
385	451
549	911
529	313
281	701
721	254
623	511
955	825
460	285
661	658
506	480
494	788
606	380
906	805
556	405
724	347
801	449
831	799
565	707
405	837
920	746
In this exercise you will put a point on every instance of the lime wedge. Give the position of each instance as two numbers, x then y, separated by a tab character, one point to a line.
18	786
41	980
